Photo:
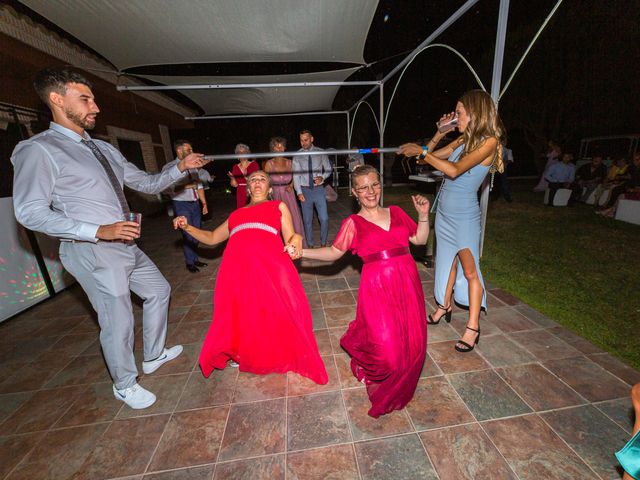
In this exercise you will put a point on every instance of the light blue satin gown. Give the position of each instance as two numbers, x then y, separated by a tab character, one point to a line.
458	227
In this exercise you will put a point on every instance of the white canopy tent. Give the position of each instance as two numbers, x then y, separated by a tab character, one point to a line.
168	32
157	32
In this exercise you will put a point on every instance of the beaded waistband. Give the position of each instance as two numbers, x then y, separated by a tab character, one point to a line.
386	254
253	225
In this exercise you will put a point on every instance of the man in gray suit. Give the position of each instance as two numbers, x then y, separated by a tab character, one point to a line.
70	187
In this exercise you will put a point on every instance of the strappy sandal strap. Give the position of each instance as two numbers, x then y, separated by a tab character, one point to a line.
468	347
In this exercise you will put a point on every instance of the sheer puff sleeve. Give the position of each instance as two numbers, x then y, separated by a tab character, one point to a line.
405	220
346	239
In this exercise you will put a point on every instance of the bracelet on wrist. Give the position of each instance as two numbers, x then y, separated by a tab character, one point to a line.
423	155
423	221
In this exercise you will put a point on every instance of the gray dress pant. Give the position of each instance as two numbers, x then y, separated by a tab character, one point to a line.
108	272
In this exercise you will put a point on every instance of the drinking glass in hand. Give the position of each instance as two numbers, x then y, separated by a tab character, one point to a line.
134	217
447	125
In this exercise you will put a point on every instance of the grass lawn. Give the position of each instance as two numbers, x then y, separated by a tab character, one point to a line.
578	268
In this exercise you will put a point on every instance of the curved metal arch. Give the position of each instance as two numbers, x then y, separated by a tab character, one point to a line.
411	61
353	120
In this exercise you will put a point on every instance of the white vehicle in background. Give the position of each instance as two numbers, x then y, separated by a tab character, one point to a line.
609	146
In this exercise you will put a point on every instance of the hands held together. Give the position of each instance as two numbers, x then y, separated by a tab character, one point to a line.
293	248
180	222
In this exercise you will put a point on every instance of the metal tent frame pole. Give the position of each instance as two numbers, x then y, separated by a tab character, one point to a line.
496	79
264	115
362	151
227	86
381	155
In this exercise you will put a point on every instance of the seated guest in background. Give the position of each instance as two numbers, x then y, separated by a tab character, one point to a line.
589	176
560	175
621	182
632	188
616	176
187	196
239	173
553	157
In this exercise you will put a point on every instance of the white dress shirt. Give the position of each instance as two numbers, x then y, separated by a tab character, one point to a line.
60	188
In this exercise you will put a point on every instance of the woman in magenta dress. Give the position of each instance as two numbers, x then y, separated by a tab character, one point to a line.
280	170
261	316
239	173
387	341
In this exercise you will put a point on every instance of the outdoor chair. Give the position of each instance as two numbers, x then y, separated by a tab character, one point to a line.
561	199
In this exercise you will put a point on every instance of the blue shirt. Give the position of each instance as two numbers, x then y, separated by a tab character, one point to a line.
321	166
61	189
561	173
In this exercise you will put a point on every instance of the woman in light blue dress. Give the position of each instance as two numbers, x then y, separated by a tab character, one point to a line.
465	163
629	456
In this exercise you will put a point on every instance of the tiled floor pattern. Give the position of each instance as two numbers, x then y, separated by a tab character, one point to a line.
533	401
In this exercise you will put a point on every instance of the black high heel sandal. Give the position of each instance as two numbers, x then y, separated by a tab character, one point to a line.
446	315
467	348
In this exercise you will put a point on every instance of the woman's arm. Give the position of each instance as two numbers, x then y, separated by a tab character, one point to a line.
232	179
289	235
326	254
446	151
482	154
422	207
220	234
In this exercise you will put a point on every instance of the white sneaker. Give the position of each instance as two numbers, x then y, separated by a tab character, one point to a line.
167	355
136	397
233	364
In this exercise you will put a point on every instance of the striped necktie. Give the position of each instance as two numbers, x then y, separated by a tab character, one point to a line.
112	176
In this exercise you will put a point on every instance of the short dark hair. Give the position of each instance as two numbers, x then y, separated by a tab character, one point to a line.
302	132
55	79
179	142
277	141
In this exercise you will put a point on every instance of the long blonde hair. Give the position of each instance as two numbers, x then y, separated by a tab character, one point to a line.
484	122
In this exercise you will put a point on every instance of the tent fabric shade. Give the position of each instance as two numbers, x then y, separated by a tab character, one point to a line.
261	100
165	32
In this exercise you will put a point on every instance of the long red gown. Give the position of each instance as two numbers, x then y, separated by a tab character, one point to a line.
261	315
241	190
387	341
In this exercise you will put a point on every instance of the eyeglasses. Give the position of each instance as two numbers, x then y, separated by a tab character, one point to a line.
364	188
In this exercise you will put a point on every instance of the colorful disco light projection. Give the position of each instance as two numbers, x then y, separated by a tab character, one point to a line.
49	247
21	282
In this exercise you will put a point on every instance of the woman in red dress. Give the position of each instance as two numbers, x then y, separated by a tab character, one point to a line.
261	316
388	339
239	173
